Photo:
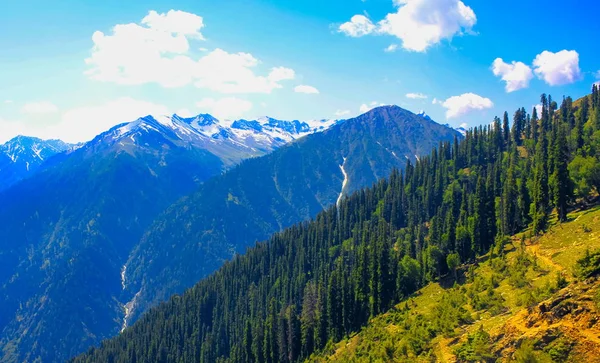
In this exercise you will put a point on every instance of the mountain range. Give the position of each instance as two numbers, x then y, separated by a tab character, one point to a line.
98	233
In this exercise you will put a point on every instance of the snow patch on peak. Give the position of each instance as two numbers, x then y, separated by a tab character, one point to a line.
424	115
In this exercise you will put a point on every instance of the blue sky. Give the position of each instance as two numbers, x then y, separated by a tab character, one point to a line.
256	57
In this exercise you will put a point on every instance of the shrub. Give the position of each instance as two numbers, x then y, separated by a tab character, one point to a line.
588	265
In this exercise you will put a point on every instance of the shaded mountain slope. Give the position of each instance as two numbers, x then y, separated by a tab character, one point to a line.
66	232
261	196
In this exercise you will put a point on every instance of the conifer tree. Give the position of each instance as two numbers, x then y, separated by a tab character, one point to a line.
540	205
505	129
561	183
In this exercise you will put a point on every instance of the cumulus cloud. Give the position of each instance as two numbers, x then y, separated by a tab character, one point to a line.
416	96
558	69
358	26
457	106
175	22
157	51
517	75
340	113
419	24
42	107
391	48
306	89
225	108
366	107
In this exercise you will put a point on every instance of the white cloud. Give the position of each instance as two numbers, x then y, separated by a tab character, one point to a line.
391	48
436	102
538	109
516	75
416	96
175	22
281	74
185	112
156	51
558	69
464	125
358	26
306	89
457	106
8	101
420	24
82	123
368	107
340	113
42	107
225	108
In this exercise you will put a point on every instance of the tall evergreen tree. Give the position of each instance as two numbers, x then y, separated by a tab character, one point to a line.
561	183
540	205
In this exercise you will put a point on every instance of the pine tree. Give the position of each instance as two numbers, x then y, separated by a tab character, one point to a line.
561	183
534	125
509	198
540	205
505	129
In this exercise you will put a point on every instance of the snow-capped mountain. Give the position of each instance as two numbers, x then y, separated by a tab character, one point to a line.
230	141
462	130
22	156
424	115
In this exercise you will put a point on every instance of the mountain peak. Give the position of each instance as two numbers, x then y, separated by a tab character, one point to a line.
22	155
202	119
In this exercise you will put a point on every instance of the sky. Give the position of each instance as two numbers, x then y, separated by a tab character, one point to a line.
71	69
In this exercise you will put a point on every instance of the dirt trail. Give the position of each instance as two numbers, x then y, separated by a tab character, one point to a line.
535	250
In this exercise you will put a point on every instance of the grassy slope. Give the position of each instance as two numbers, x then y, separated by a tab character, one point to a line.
562	324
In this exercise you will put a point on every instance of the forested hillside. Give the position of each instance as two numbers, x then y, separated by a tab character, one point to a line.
320	281
528	300
249	203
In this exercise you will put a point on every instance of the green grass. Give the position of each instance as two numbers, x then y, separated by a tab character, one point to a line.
411	331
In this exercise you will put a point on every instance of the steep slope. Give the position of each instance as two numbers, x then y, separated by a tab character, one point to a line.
66	232
261	196
552	313
22	156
